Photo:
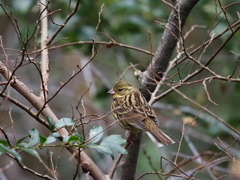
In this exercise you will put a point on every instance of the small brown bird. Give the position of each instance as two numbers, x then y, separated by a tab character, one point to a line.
134	114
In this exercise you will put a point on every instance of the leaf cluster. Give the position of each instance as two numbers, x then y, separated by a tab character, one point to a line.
34	141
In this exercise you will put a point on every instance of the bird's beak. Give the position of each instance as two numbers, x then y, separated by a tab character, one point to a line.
111	91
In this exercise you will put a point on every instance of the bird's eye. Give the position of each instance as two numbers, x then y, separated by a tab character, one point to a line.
120	90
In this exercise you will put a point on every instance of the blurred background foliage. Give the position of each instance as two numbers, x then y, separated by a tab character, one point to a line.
130	22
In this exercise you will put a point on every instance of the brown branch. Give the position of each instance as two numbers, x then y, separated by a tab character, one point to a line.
107	44
128	169
31	170
5	135
225	14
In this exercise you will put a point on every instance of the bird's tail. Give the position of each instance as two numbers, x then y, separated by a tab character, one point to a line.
158	136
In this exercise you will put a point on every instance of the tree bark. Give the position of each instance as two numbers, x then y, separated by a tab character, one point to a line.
128	170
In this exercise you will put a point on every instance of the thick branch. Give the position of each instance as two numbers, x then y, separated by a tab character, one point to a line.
128	170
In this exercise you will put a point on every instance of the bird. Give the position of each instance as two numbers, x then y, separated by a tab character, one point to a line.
133	113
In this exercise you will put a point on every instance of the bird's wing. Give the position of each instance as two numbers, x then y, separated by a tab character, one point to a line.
143	105
150	112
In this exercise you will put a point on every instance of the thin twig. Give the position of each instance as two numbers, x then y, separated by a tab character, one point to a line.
69	16
209	98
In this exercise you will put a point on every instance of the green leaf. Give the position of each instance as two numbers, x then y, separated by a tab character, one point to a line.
34	137
115	147
73	139
114	142
31	151
78	137
102	149
23	144
93	132
114	139
3	142
110	144
64	122
65	139
50	140
51	123
20	140
56	134
4	149
42	139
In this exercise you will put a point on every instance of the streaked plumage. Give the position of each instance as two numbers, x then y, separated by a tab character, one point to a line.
133	113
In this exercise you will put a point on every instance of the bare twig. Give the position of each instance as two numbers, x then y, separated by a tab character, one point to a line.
209	98
225	14
99	21
12	125
5	135
64	23
82	115
107	44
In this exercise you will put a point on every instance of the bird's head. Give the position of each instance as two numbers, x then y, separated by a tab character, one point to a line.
120	89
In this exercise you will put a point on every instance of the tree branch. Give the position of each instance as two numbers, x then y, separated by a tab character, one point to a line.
128	170
44	53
